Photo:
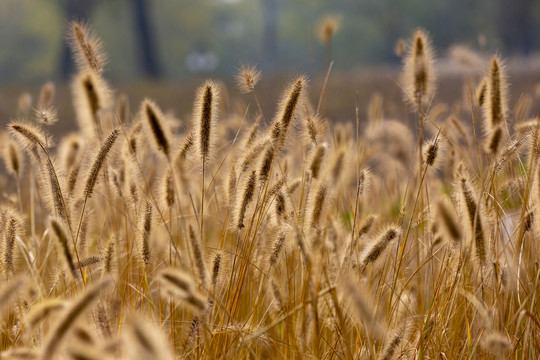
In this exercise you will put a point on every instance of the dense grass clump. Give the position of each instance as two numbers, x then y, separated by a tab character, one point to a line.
278	236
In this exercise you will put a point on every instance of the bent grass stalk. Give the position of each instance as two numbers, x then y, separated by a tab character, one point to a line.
36	140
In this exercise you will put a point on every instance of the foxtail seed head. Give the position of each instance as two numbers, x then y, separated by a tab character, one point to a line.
205	118
246	78
87	48
153	118
418	75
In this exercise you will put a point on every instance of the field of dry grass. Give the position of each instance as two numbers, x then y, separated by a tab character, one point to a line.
232	231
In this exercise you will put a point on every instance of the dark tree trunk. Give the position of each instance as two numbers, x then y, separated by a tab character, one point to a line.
270	10
148	56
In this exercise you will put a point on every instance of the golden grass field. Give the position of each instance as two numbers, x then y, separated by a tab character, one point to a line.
235	232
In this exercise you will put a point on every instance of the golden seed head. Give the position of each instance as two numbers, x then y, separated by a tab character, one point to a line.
99	160
91	97
377	248
328	26
316	161
46	96
445	216
13	159
475	217
494	140
291	100
87	48
24	103
205	118
318	205
32	138
431	151
481	92
367	224
168	188
181	285
199	256
249	190
146	227
247	78
277	247
59	231
266	163
216	265
46	115
495	98
418	72
154	120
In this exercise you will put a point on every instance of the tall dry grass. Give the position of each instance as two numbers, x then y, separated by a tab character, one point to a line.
251	235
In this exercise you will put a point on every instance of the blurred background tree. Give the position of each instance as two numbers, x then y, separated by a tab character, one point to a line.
154	38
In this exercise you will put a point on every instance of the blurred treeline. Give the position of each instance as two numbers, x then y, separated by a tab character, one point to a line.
154	38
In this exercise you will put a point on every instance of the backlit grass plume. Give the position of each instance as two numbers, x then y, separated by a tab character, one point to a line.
55	193
197	250
146	340
46	95
317	206
494	140
492	97
448	222
70	151
327	28
247	196
418	72
373	252
291	101
12	226
32	138
145	228
495	98
46	115
315	128
86	47
99	160
266	163
247	78
90	96
474	218
60	233
481	91
205	118
13	159
181	285
153	118
66	321
431	151
367	225
316	161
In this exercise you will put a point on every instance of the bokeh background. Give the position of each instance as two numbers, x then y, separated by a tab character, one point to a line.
164	48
